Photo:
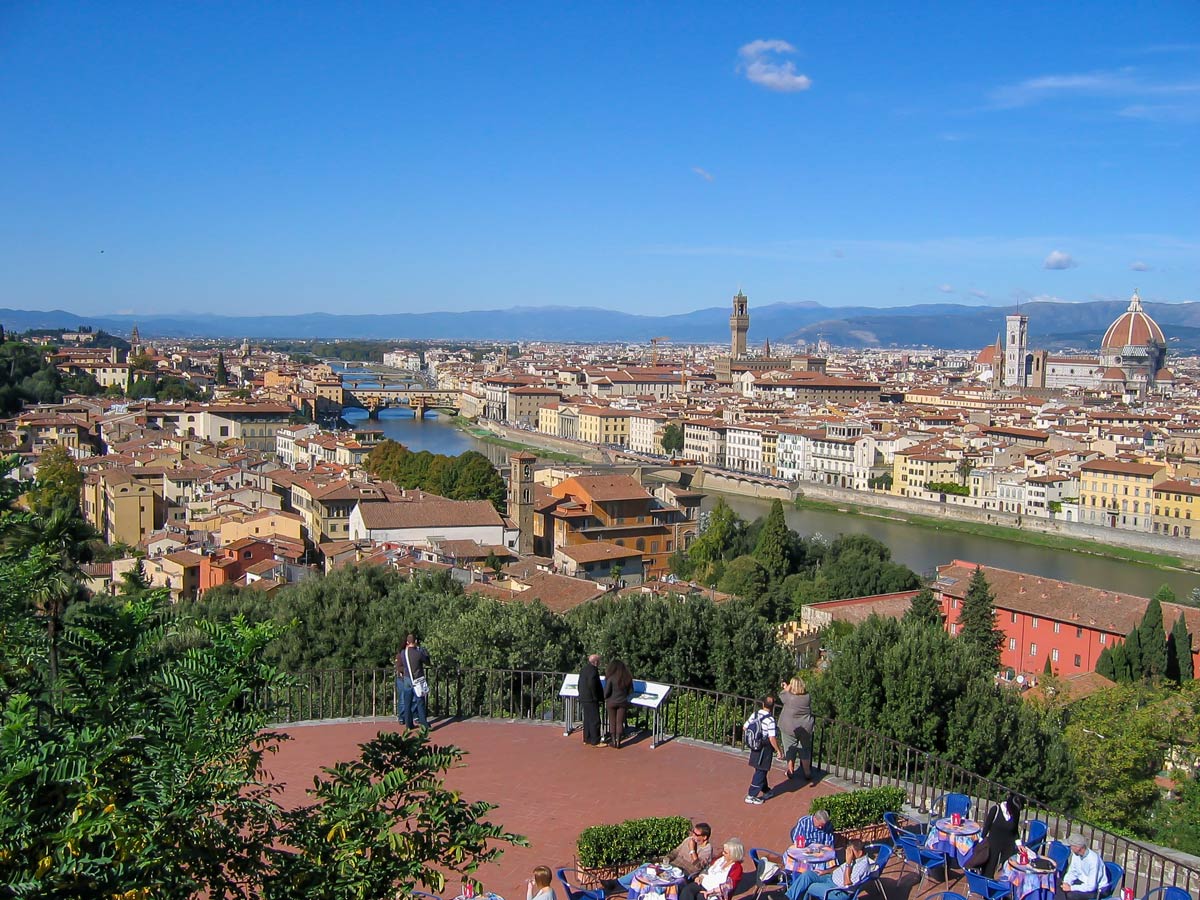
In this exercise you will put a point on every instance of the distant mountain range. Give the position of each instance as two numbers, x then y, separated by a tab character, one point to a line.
1054	326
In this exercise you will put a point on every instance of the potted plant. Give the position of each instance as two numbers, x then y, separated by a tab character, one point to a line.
604	852
859	814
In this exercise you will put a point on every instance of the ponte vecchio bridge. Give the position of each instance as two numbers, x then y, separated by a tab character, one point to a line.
416	398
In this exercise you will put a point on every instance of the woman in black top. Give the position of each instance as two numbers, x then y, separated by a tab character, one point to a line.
618	686
1001	830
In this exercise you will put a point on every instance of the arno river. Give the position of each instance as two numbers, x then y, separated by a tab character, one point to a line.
920	548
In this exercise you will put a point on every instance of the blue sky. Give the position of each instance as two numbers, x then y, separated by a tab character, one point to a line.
653	157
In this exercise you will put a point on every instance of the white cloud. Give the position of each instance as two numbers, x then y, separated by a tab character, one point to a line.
703	173
946	288
1059	260
1139	266
1127	83
982	295
762	65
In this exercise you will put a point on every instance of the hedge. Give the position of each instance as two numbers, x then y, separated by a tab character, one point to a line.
855	809
631	841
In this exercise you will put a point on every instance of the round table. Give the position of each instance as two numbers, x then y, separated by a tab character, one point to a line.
655	878
481	895
956	840
1026	879
815	856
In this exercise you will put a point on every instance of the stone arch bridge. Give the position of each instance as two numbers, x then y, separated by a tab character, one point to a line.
418	399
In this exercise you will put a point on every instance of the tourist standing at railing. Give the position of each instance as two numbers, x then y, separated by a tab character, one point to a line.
764	755
618	688
796	724
591	693
411	684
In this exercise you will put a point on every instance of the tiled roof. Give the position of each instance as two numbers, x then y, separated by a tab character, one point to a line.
428	510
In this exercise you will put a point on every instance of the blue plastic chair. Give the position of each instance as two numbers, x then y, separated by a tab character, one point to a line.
1116	874
924	859
954	803
760	855
1039	894
892	821
577	893
945	895
1167	892
1035	834
987	888
426	896
1060	853
881	857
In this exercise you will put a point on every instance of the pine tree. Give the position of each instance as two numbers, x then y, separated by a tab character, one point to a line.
1153	641
977	622
772	547
222	375
924	608
1180	653
1047	669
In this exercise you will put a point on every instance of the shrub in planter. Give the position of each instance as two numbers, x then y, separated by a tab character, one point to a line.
861	812
602	849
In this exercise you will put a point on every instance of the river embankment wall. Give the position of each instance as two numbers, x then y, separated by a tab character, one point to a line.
1152	543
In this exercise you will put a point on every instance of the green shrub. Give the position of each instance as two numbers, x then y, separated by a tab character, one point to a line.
632	841
857	808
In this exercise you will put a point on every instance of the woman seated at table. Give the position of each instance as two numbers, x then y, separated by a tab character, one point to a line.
538	887
721	878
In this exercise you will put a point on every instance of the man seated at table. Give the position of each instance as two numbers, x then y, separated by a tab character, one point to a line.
691	856
1085	871
817	885
816	829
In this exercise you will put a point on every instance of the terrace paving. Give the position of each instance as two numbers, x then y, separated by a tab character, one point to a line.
549	787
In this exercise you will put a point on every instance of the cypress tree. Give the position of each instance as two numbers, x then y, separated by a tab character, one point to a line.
1047	669
1105	665
222	374
1181	652
977	622
924	609
772	547
1153	641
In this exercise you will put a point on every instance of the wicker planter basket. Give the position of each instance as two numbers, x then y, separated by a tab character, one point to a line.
868	834
595	878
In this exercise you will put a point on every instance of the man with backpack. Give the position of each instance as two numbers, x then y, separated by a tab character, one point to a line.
759	734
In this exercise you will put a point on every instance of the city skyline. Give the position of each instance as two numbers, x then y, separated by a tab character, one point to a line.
271	161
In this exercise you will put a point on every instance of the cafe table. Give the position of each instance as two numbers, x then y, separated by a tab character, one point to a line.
1039	873
817	857
653	878
955	840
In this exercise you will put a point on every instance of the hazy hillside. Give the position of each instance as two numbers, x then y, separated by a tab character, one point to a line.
942	325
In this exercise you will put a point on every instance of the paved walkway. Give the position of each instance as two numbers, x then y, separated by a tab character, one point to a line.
549	787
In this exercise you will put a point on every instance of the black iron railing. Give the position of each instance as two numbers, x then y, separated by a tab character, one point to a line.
849	753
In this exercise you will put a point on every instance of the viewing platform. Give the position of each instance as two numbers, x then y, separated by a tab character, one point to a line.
549	786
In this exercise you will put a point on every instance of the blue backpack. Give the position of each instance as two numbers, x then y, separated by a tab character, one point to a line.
752	733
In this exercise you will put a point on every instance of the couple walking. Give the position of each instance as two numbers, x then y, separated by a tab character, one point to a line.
411	683
614	694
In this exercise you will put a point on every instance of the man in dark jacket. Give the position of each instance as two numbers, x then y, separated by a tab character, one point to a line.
591	695
411	684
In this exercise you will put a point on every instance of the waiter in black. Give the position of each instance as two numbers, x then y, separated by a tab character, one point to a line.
591	695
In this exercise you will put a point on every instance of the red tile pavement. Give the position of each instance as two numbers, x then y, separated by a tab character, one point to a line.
549	787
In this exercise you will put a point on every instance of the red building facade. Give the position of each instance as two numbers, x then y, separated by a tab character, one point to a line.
1042	618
